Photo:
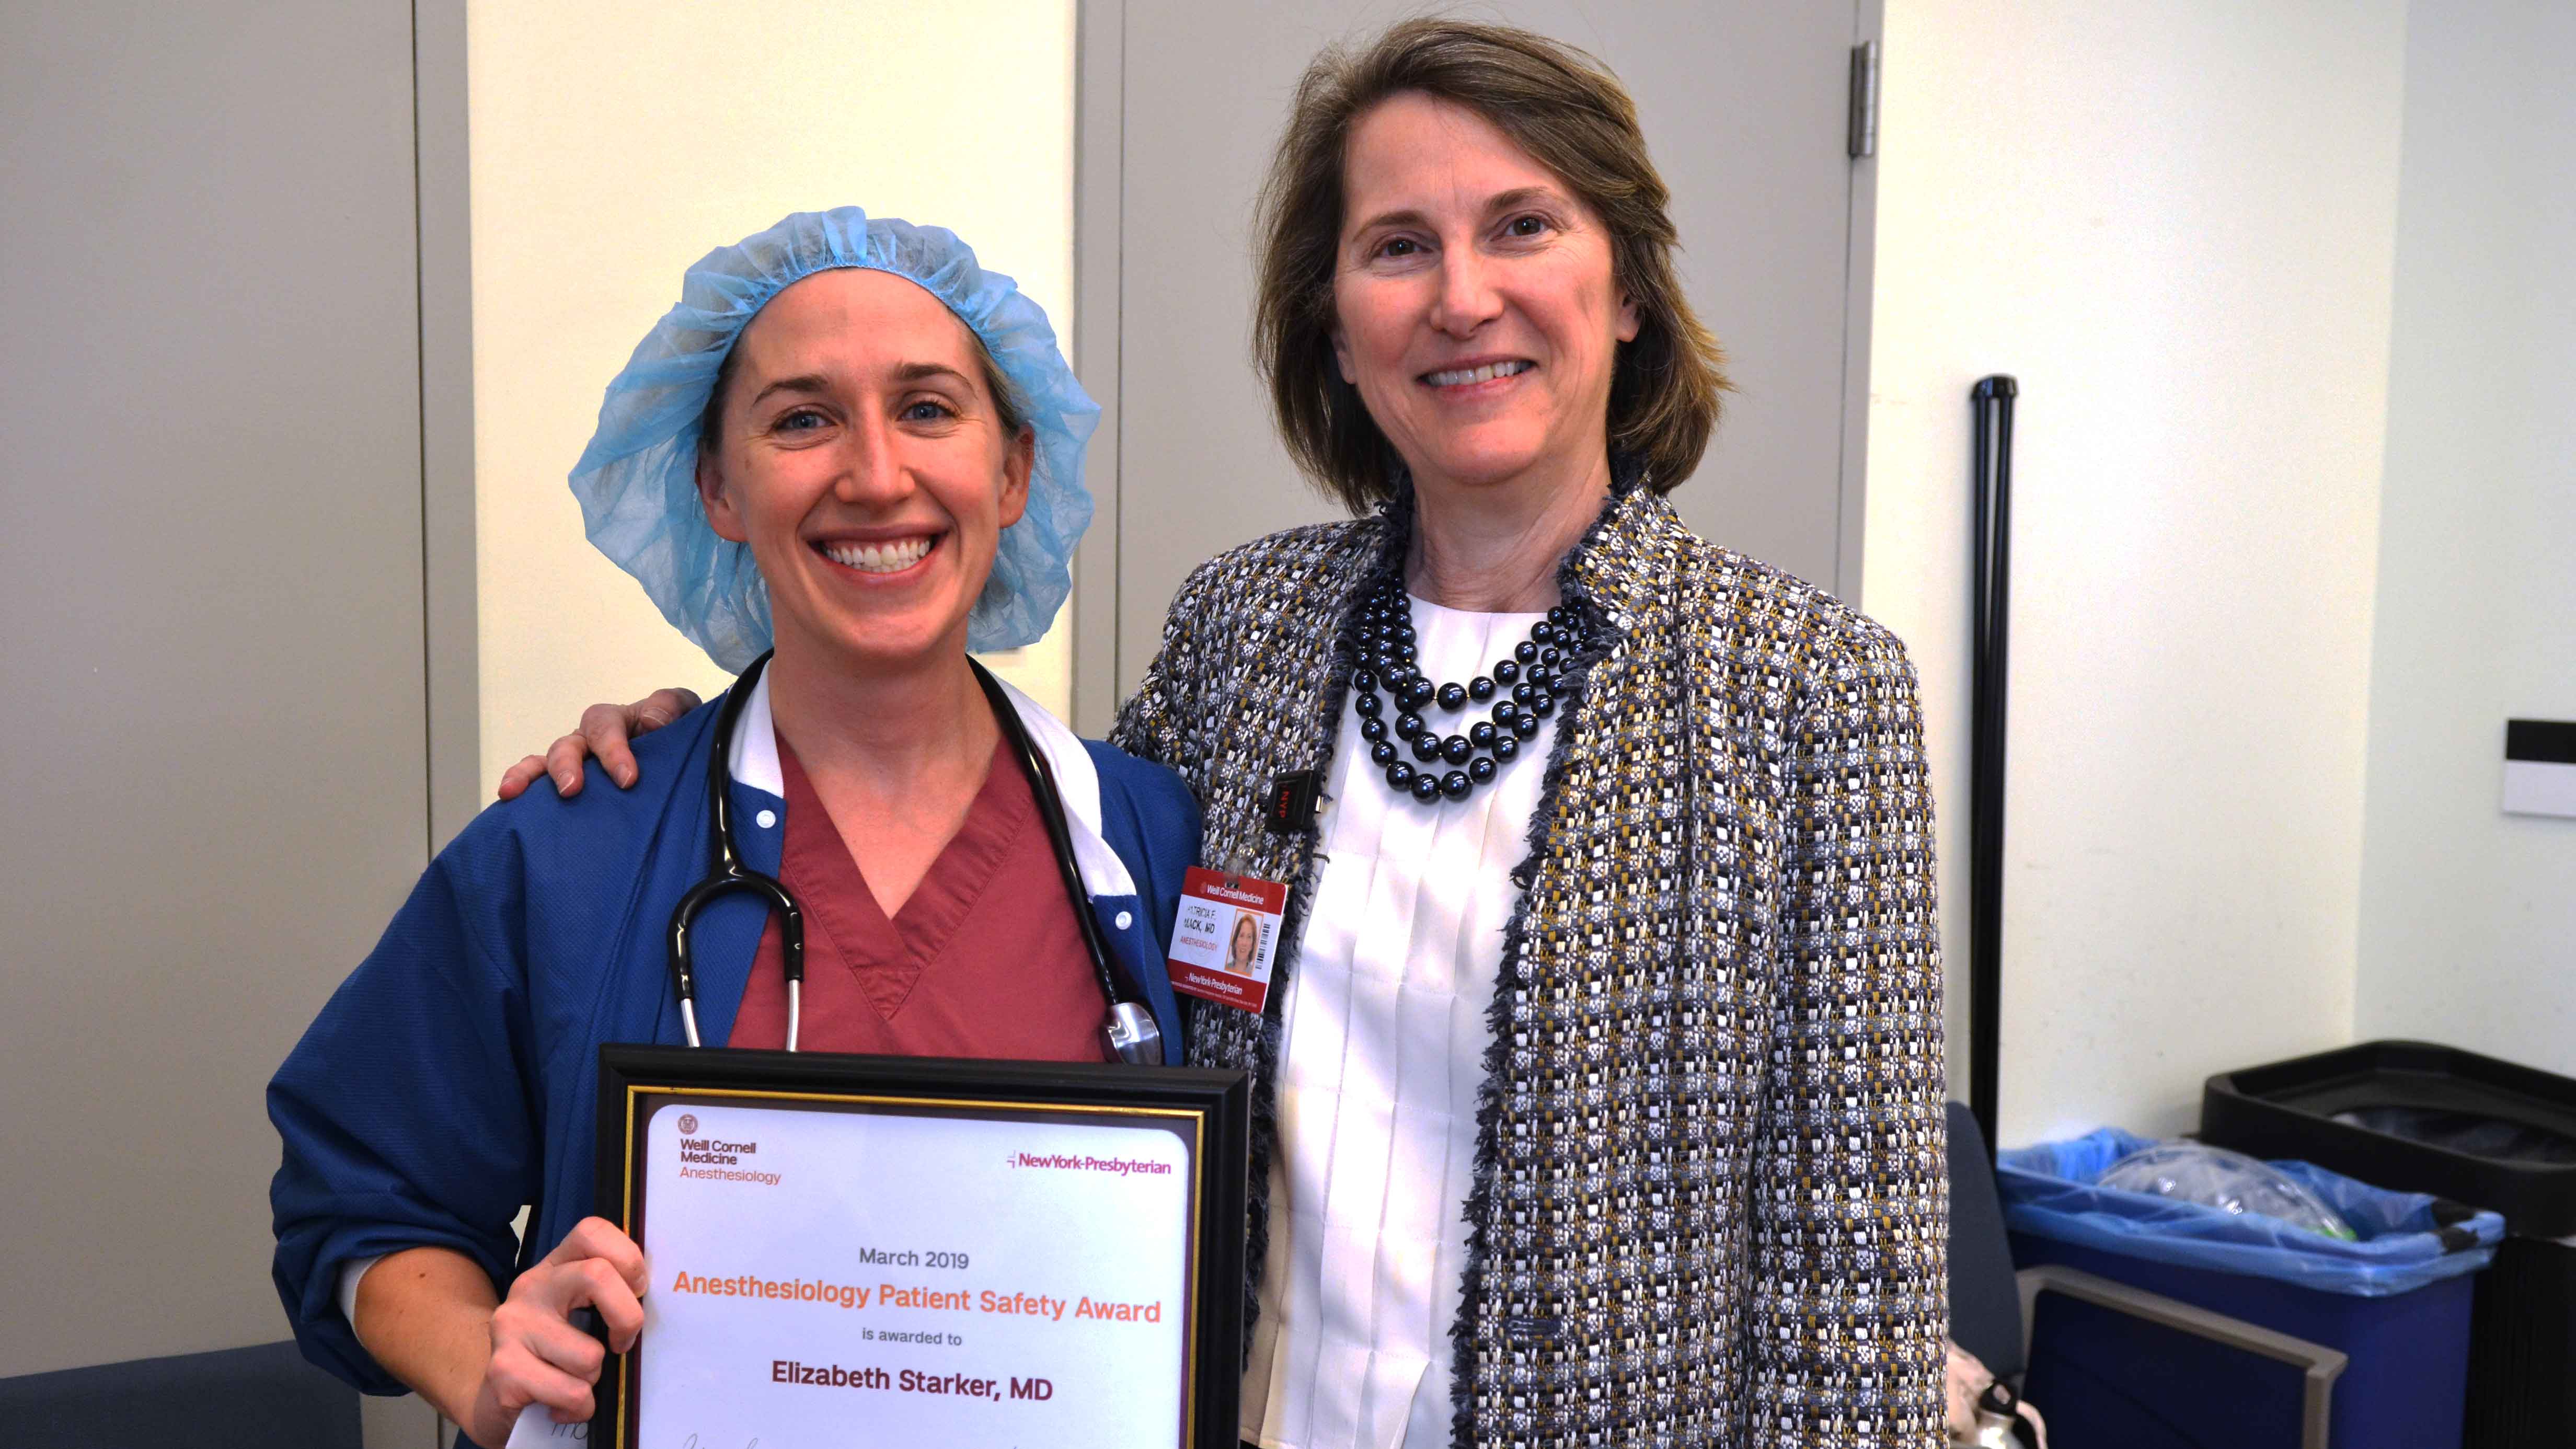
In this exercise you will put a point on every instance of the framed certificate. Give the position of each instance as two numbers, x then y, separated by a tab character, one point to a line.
882	1251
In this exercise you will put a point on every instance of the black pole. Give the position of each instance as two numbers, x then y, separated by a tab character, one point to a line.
1992	400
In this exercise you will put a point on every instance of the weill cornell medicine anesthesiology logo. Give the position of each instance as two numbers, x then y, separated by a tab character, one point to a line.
715	1159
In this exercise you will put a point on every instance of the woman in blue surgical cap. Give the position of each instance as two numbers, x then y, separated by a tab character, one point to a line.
854	451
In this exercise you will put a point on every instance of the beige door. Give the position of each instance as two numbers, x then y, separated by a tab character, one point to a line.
1746	105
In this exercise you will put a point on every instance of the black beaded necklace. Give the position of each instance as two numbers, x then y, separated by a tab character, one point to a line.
1529	681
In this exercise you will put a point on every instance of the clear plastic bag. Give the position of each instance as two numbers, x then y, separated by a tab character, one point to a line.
2404	1240
2229	1181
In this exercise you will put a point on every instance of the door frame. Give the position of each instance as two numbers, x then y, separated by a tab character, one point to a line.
1099	195
442	194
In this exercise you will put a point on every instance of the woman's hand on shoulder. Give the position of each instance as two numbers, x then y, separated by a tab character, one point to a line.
606	730
538	1356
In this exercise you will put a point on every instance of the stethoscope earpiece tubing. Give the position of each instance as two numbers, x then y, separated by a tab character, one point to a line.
1050	804
729	874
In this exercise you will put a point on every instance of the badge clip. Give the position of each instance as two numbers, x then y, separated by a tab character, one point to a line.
1295	800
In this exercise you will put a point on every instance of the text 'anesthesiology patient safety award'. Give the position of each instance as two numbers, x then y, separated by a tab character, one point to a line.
906	1251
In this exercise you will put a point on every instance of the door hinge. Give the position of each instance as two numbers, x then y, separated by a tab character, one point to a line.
1862	139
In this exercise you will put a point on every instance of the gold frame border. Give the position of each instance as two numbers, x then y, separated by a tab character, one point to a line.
1198	1182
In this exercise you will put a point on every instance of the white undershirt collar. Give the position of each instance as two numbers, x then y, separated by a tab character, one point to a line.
754	763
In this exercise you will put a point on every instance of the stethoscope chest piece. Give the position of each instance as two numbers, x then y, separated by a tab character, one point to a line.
1132	1034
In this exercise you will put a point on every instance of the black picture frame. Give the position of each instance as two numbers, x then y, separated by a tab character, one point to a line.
1219	1102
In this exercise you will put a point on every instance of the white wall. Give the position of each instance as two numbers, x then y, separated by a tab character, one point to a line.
2173	221
613	145
2468	915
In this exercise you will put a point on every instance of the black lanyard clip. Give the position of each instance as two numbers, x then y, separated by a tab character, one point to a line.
1295	802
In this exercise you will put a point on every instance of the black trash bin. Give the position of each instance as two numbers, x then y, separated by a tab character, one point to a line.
2423	1118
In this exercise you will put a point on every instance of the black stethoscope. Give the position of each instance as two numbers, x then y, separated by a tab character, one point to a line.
1130	1030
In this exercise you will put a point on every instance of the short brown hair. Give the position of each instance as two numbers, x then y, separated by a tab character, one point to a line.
1566	110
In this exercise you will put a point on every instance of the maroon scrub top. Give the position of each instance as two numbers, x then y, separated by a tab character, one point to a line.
984	959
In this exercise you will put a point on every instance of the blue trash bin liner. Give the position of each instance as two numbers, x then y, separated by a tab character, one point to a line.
2396	1302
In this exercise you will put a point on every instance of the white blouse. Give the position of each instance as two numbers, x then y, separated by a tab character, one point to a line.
1386	1030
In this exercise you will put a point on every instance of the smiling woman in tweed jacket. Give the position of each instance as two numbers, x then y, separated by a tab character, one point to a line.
1598	1095
1709	1193
1696	1111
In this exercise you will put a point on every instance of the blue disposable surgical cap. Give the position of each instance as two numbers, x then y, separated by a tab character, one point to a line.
637	481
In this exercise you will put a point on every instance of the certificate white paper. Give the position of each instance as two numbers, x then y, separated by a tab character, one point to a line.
901	1277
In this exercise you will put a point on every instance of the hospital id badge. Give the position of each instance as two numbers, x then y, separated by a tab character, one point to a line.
1225	937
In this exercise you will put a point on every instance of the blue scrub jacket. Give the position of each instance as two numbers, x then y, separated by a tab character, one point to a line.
453	1077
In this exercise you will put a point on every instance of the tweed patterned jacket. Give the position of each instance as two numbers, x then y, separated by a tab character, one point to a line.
1711	1198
